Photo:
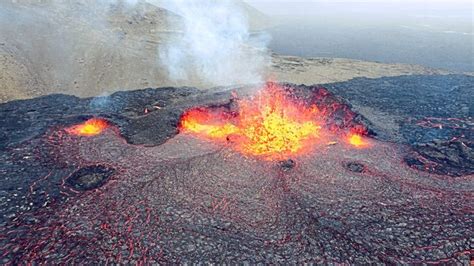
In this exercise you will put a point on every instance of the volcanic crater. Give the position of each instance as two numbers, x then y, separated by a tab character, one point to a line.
363	173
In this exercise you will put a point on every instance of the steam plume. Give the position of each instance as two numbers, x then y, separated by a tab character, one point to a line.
216	44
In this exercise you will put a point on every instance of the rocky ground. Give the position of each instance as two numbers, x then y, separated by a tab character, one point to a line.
141	193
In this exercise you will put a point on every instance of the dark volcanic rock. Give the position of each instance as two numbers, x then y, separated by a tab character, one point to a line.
454	157
426	112
27	119
410	109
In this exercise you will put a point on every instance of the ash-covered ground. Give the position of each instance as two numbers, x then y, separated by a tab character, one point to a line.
142	193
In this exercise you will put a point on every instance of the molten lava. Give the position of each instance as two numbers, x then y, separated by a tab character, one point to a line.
356	140
91	127
270	124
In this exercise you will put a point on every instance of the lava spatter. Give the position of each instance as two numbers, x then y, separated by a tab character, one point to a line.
269	124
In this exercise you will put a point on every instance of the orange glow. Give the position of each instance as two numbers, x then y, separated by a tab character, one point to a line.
270	124
91	127
357	140
206	123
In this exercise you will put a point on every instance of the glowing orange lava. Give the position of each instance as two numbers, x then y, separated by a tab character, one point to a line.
356	140
270	124
91	127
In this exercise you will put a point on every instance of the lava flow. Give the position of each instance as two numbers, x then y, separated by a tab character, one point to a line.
270	124
91	127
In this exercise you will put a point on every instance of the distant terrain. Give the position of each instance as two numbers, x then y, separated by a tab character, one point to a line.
411	44
88	50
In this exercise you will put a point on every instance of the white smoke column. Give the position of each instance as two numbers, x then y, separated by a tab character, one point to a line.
215	46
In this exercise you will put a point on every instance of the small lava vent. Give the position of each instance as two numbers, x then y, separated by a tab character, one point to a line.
90	177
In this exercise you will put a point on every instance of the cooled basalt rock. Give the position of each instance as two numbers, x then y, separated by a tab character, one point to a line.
454	157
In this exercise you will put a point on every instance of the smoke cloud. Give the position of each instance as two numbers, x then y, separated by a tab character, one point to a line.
216	44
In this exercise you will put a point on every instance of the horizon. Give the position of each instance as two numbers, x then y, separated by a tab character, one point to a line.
286	7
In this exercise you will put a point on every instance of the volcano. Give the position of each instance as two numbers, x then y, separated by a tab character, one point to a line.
365	171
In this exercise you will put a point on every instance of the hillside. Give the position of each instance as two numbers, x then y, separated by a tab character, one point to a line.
86	50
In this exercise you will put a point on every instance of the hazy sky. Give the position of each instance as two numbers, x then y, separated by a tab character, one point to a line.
363	1
283	7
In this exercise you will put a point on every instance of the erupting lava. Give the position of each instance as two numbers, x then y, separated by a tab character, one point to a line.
91	127
270	124
356	140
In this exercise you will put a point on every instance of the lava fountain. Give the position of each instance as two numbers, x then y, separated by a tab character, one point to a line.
271	124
